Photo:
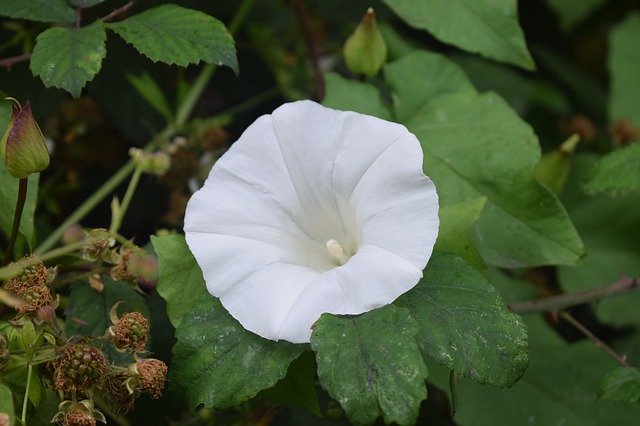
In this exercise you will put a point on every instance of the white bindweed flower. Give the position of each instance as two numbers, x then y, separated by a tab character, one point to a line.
313	210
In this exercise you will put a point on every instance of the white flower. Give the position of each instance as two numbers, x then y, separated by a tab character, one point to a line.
313	210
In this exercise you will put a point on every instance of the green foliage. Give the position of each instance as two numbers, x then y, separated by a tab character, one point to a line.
616	173
176	35
624	62
453	234
487	27
226	365
8	197
69	57
353	95
464	323
149	90
621	384
476	146
57	11
572	12
371	364
85	3
6	404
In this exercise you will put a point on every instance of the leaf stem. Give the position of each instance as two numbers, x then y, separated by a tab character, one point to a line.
116	221
118	11
22	196
9	62
599	343
302	14
567	300
26	395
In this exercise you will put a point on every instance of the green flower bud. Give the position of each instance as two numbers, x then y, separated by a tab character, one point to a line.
553	168
365	50
22	147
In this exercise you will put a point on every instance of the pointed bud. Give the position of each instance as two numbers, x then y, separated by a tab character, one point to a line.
22	147
365	50
553	168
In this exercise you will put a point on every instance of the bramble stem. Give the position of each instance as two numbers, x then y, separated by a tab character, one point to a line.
22	196
9	62
118	11
26	395
599	343
567	300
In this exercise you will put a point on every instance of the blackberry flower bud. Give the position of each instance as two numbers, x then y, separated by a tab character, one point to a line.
129	332
32	287
152	375
81	413
80	368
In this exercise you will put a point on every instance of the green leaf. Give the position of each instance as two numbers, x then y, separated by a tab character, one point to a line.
8	197
38	10
176	35
371	364
624	64
487	27
69	57
476	146
621	384
298	387
6	404
88	311
465	324
149	90
453	234
572	12
216	362
558	388
85	3
617	173
351	95
608	226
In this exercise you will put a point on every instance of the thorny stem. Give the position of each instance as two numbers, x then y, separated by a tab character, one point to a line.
23	418
599	343
185	110
302	13
9	62
22	196
118	11
562	301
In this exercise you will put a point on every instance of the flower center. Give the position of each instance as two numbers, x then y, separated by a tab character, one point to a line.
336	251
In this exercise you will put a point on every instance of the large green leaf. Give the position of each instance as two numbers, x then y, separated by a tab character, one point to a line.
572	12
487	27
609	228
38	10
621	384
216	362
465	324
351	95
476	146
453	235
617	173
8	197
559	388
85	3
624	64
69	57
371	364
177	35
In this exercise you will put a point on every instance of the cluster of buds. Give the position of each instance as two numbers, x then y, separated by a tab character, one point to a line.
81	413
156	163
101	247
80	368
32	287
129	332
146	375
134	264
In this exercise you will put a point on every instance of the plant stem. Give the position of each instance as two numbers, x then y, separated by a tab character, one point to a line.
26	395
302	14
22	196
562	301
599	343
116	221
9	62
118	11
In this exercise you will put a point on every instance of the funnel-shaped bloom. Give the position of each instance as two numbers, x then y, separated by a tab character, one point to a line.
313	210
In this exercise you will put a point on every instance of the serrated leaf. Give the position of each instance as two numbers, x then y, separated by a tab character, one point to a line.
216	362
617	173
621	384
464	323
624	64
38	10
149	90
371	364
351	95
476	146
9	195
177	35
572	12
455	223
69	57
559	388
487	27
85	3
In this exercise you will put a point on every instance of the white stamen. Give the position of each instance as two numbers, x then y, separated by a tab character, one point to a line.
335	249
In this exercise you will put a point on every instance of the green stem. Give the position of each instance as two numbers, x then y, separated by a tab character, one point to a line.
26	395
22	196
116	221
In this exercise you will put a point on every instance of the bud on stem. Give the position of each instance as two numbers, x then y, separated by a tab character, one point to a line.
365	50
